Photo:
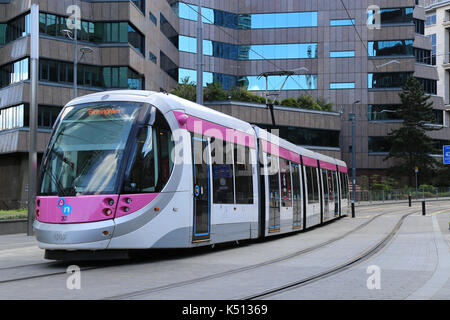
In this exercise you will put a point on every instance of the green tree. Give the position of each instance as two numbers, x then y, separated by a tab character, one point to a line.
186	89
289	102
242	94
410	146
308	102
324	105
443	176
215	92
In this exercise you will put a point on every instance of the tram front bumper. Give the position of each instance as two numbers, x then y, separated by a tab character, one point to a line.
91	235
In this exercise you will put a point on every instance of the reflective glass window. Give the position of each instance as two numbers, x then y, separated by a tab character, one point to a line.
133	37
152	57
168	30
247	21
168	66
383	112
3	27
429	86
283	20
14	72
295	82
342	85
423	56
12	117
15	28
192	75
152	18
431	19
420	26
433	51
187	44
342	22
140	4
438	117
305	136
390	48
392	15
387	79
283	51
342	54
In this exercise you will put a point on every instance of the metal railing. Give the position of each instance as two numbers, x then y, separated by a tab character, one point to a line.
381	196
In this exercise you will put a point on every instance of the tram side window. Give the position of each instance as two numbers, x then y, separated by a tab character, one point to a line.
243	171
335	185
285	176
344	185
151	164
274	183
222	171
313	192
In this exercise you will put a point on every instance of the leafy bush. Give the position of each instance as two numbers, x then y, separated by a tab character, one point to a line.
186	89
289	102
214	92
427	188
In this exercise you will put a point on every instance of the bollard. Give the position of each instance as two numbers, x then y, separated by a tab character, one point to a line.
353	209
423	207
409	199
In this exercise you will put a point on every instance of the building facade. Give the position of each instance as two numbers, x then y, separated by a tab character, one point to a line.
437	28
336	50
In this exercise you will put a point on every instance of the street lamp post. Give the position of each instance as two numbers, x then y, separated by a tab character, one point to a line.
352	118
32	151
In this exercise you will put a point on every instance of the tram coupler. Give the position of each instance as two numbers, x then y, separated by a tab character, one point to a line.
423	208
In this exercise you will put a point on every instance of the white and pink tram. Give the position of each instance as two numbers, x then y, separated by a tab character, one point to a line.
138	169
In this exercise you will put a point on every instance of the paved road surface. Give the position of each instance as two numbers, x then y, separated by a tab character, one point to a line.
413	264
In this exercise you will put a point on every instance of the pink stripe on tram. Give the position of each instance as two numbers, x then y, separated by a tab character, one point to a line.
327	165
211	129
343	169
280	151
307	161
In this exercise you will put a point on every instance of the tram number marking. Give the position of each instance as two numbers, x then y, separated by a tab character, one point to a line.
63	218
60	236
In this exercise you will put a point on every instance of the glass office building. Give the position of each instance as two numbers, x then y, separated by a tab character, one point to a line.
152	45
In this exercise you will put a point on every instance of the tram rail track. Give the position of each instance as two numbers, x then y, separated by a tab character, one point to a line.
246	268
334	270
196	280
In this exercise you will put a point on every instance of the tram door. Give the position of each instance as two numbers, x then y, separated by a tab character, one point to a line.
335	193
326	195
202	205
297	196
274	194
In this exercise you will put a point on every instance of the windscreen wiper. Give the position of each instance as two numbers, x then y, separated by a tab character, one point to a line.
56	181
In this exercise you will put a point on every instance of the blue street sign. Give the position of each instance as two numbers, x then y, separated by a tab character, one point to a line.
446	154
